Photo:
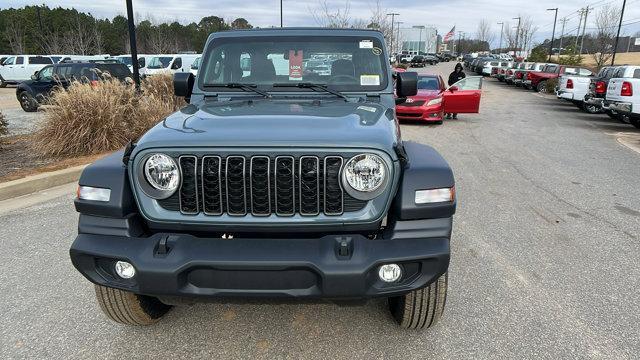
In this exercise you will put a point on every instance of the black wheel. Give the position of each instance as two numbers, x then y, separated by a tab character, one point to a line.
591	109
614	115
439	122
422	308
27	102
128	308
2	83
542	87
635	121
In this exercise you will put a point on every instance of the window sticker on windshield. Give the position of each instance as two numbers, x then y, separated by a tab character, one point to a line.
376	51
295	64
369	80
367	108
366	44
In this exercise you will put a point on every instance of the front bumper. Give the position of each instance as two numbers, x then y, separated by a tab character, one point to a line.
423	113
269	267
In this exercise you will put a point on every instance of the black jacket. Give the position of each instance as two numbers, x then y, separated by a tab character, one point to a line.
454	77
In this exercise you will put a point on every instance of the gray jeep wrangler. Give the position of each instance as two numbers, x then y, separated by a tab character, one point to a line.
285	176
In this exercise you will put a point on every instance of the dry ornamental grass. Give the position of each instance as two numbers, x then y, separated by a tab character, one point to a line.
88	119
3	125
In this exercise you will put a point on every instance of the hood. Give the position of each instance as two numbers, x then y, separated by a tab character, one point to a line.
427	94
276	123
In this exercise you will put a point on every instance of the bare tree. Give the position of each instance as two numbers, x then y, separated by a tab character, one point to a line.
14	33
484	32
605	34
527	32
329	17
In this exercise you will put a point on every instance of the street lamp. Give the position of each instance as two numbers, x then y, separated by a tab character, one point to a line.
399	46
553	35
281	22
421	27
132	43
501	32
393	17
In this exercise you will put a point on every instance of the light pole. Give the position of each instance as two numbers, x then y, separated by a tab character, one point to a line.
132	43
553	35
281	20
517	35
615	47
501	32
399	45
564	22
393	17
420	38
460	36
584	28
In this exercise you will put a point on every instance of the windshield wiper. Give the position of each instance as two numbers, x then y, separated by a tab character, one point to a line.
245	87
309	85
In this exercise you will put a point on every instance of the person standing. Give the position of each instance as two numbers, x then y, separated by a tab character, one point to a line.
454	77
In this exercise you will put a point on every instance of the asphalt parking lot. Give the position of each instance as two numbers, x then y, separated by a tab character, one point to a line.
545	260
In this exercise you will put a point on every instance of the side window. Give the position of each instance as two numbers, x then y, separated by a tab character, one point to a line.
19	60
636	73
177	63
141	62
585	72
40	60
63	72
46	74
10	61
619	73
469	83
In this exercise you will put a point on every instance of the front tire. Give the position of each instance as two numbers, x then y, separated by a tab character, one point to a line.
127	308
421	308
542	87
27	102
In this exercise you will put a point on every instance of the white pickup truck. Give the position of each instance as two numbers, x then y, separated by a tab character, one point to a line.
574	88
19	68
623	93
170	63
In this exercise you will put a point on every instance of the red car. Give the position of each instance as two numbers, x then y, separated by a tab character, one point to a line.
434	99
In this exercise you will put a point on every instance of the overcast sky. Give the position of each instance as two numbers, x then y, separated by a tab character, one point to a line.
443	14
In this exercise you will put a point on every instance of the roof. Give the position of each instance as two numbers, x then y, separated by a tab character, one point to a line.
297	31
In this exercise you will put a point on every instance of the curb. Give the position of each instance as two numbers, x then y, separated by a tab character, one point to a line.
34	183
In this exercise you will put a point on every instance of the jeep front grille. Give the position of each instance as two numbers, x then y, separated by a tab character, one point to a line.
239	185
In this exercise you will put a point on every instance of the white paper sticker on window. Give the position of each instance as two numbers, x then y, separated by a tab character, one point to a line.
370	80
367	108
366	44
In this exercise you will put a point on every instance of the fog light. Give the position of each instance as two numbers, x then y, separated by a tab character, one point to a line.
125	270
390	272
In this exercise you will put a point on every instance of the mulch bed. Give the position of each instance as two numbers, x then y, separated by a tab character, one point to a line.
18	160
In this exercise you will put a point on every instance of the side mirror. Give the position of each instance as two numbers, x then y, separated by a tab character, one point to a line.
34	77
183	85
406	84
453	88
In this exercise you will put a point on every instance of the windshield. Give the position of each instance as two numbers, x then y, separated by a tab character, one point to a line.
159	62
345	63
125	59
428	83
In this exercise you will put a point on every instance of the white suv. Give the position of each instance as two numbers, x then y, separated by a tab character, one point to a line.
16	69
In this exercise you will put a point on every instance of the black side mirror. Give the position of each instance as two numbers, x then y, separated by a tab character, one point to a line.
406	85
183	85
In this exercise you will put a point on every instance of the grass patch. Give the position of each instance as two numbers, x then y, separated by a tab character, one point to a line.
3	125
90	119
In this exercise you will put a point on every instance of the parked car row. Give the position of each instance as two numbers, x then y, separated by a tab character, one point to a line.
15	69
610	91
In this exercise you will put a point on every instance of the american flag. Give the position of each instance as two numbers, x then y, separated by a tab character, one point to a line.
450	34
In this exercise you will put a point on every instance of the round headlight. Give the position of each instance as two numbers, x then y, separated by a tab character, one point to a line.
364	176
162	173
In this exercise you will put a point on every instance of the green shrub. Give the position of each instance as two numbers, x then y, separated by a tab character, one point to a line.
552	84
89	119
